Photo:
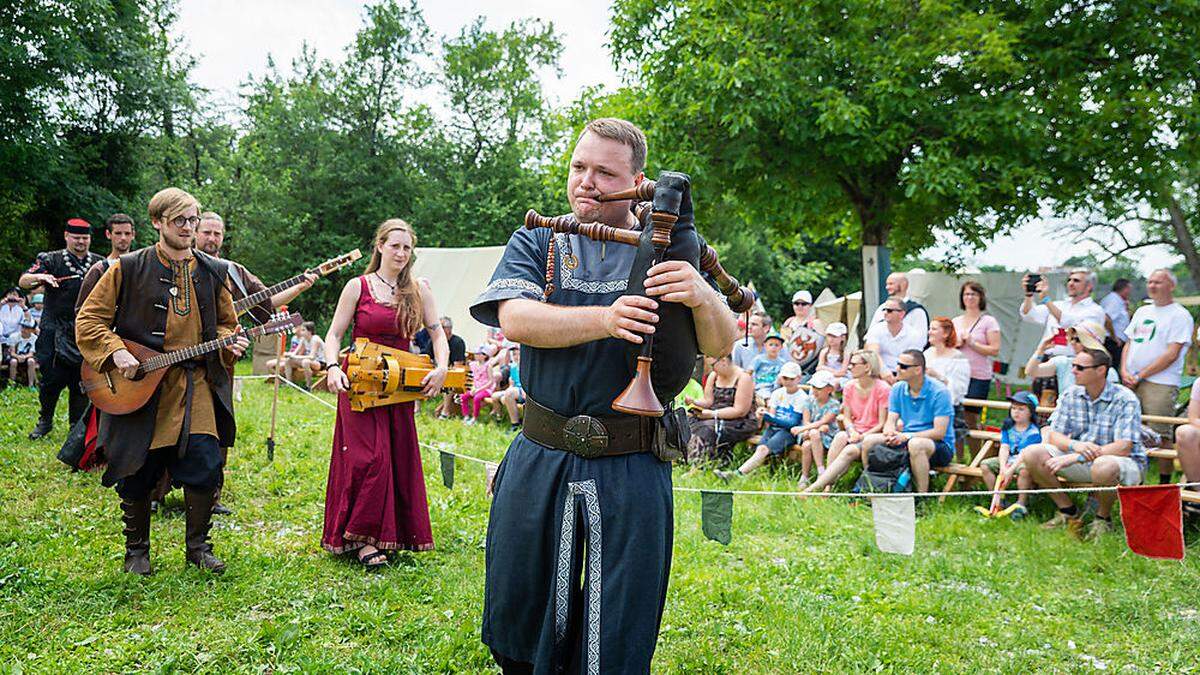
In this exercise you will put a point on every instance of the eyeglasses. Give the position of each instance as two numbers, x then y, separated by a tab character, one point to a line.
180	221
905	366
889	310
1079	369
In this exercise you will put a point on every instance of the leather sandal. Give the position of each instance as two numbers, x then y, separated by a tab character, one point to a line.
373	561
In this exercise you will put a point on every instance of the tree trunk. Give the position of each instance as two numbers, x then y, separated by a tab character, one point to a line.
1183	235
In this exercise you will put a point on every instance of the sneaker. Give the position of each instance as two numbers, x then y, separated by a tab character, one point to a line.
514	428
1060	519
727	475
443	416
1098	528
469	421
802	484
1018	512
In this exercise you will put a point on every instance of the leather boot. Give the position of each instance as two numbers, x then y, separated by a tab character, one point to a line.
137	535
199	507
44	426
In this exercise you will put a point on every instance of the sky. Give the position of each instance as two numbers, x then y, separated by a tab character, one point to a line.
232	40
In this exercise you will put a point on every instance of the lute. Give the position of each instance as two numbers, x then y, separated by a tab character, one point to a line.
324	269
116	394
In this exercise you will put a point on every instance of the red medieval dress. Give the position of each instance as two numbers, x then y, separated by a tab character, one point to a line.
376	489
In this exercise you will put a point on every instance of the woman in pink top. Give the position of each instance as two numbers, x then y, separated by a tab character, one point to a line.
979	340
864	410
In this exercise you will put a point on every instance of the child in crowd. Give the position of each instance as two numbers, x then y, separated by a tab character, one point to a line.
784	411
819	425
20	353
832	357
481	385
1018	433
765	367
514	394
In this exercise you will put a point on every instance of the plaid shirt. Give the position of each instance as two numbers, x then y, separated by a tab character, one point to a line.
1115	416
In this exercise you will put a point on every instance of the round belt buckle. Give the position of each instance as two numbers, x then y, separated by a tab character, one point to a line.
585	436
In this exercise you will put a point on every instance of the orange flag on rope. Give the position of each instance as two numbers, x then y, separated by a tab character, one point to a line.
1153	518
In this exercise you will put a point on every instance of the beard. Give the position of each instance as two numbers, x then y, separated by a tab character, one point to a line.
177	242
210	248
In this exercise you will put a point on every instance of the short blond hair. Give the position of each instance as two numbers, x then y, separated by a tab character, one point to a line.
171	202
624	132
212	215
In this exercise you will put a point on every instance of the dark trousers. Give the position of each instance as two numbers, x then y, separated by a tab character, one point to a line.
199	468
57	376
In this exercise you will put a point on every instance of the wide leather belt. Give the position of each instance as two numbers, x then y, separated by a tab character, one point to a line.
588	436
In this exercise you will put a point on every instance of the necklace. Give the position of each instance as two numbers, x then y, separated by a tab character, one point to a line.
385	283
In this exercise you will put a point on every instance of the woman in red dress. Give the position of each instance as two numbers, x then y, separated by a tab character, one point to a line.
375	498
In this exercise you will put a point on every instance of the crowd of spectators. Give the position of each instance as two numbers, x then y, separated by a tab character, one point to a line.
20	318
902	395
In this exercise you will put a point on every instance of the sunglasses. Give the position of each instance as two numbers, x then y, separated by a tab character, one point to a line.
1078	368
857	363
801	302
905	366
889	310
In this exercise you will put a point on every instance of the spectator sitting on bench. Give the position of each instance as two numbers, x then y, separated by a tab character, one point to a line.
298	350
1019	432
20	354
820	425
1083	335
892	336
765	367
832	357
864	411
785	410
1095	436
1187	442
312	360
514	394
919	419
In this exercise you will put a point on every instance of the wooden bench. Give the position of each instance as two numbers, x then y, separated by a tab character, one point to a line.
992	441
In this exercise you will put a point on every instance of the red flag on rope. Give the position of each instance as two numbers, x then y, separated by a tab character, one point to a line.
1153	518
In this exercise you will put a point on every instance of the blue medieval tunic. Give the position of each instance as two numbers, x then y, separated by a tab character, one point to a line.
578	550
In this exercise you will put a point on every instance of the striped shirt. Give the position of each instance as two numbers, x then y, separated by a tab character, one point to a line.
1116	415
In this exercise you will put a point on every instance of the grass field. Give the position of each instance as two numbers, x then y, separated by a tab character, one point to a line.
801	587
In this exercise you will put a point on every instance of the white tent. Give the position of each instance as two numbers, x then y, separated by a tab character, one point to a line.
457	275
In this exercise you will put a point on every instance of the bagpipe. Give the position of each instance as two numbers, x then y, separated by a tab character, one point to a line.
666	358
381	375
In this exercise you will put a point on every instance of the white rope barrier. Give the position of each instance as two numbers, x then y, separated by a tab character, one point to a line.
441	447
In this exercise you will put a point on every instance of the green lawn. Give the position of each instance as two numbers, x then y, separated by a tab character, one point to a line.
801	587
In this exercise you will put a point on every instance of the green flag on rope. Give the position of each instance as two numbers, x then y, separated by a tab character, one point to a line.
716	515
447	468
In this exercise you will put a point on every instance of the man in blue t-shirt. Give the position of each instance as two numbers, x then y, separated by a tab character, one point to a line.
919	414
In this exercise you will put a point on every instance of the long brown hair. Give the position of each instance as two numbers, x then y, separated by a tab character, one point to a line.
408	302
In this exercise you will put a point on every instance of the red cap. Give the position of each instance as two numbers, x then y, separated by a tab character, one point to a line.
78	226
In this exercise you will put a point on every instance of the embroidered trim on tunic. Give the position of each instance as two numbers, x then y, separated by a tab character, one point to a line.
510	284
562	589
583	285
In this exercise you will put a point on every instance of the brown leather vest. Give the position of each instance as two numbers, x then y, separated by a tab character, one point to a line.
141	316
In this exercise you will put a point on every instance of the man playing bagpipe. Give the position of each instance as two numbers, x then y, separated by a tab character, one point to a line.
579	475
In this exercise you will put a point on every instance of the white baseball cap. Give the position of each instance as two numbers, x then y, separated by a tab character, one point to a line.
802	295
790	369
837	328
821	379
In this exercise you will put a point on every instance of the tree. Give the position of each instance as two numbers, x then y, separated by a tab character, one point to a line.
884	121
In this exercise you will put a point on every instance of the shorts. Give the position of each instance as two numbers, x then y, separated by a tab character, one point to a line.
1158	399
778	440
1132	473
979	389
993	464
943	454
